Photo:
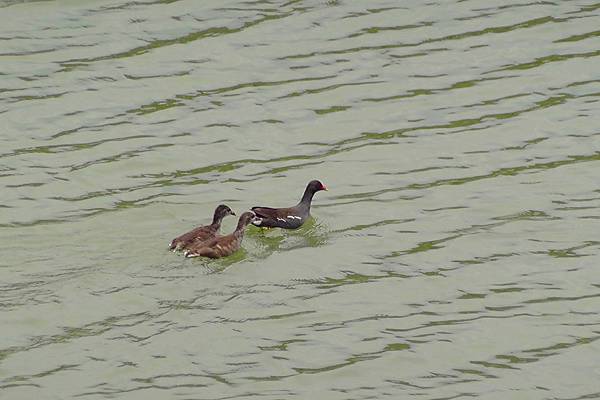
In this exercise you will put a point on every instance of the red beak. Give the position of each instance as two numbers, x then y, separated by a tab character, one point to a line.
323	187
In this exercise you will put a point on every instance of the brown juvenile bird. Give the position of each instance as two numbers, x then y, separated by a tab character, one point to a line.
290	217
223	246
202	233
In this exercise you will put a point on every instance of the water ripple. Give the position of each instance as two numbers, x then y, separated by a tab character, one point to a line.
454	252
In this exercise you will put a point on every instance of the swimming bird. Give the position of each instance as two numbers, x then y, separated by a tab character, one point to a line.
223	246
291	217
202	233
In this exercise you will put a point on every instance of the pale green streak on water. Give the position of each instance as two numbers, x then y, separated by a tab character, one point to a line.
455	256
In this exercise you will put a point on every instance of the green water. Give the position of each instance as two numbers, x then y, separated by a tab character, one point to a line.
455	255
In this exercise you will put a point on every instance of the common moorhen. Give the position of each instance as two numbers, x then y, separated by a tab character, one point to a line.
291	217
222	246
202	233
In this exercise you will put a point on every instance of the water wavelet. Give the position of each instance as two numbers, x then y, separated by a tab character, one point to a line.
312	234
461	139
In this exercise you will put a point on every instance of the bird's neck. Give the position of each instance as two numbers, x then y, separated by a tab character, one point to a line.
217	220
306	198
241	227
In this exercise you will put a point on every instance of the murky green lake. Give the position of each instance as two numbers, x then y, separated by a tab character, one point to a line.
456	254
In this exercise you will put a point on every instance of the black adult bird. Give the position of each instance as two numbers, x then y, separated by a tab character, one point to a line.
291	217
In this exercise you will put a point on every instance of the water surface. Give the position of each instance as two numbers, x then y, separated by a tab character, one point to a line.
456	254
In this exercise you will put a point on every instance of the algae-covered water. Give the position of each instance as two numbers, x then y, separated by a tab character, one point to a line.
456	254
